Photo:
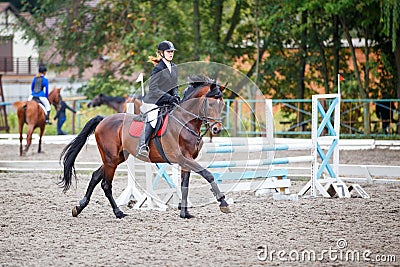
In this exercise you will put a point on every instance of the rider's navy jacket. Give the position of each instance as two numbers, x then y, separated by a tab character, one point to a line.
163	84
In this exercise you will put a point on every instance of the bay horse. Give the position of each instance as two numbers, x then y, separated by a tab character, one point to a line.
117	103
202	104
31	113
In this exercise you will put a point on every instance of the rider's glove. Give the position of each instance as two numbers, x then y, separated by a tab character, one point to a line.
174	100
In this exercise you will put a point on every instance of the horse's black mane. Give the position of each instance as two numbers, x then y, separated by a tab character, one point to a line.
198	81
118	99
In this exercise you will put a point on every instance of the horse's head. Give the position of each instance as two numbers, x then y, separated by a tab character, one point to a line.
55	97
206	100
213	106
98	100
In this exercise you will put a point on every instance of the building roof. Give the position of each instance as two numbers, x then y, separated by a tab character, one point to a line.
24	17
4	6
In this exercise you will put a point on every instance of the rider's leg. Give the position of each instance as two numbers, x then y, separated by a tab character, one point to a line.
47	105
150	123
143	146
47	117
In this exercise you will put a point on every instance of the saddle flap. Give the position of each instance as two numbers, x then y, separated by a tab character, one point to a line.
136	127
37	99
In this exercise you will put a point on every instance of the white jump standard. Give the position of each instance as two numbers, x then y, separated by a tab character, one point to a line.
325	176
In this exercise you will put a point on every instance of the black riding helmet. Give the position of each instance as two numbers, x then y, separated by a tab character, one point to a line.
164	46
42	69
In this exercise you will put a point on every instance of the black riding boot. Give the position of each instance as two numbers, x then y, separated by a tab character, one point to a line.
47	118
143	145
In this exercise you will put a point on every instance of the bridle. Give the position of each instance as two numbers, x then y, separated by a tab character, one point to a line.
208	121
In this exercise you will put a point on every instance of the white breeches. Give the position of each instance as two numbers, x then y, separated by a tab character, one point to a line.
152	114
44	100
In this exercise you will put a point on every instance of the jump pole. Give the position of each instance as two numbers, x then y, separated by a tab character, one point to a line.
258	175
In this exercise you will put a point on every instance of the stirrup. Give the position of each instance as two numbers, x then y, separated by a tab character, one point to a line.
143	151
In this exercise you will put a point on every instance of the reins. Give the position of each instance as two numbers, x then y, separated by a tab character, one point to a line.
204	120
208	121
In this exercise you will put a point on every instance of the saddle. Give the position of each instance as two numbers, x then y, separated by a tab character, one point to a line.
136	127
37	99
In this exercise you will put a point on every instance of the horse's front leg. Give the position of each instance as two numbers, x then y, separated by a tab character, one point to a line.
193	165
185	191
224	207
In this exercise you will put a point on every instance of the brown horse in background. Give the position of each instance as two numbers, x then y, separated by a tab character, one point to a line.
181	143
31	113
117	103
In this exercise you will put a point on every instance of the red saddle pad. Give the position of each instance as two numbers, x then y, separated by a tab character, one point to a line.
136	127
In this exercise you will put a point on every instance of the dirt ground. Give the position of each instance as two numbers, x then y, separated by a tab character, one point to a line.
37	229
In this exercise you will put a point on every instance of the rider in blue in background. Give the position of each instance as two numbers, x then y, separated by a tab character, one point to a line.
40	89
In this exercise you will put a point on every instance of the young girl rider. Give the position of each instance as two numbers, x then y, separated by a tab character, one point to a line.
163	89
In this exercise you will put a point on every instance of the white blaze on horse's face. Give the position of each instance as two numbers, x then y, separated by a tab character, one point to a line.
215	107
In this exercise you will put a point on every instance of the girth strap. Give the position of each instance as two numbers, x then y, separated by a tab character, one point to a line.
158	145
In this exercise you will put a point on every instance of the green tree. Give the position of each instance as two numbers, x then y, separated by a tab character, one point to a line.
285	46
124	34
390	17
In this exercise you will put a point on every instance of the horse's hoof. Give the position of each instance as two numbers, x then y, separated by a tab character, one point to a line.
75	212
225	209
120	215
186	215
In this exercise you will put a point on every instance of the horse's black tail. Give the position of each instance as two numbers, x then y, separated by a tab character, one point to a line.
71	151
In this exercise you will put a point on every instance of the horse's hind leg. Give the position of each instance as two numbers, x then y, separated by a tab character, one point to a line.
40	139
97	176
21	151
185	191
106	184
29	137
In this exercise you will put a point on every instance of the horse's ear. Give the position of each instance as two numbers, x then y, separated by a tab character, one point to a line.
213	86
214	91
101	94
222	87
